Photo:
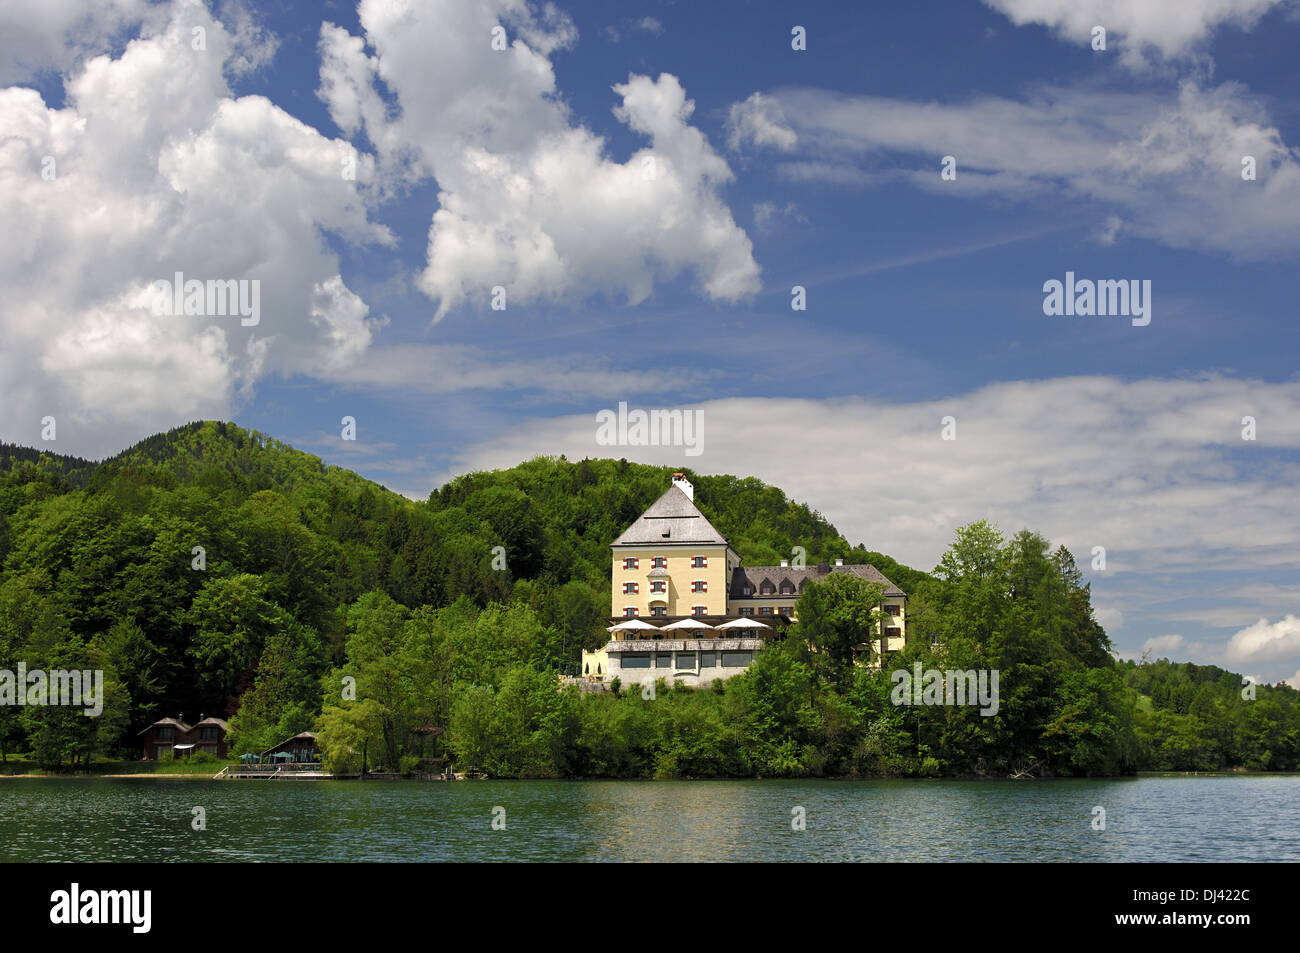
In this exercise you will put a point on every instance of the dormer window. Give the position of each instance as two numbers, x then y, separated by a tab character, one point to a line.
747	591
767	589
787	589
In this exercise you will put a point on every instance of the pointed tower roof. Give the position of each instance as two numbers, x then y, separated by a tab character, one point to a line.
673	518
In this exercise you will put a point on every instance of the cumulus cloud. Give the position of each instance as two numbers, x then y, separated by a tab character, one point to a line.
153	168
1174	29
528	200
1162	646
1266	641
58	34
1154	167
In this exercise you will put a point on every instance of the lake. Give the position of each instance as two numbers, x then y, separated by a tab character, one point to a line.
1208	818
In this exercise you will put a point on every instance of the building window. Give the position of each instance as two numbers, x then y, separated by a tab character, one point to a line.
699	562
686	660
664	660
894	610
699	610
629	562
165	734
658	585
699	585
746	610
659	562
630	612
209	749
787	589
636	659
661	611
785	611
629	588
747	591
708	659
736	659
767	589
892	633
208	733
765	610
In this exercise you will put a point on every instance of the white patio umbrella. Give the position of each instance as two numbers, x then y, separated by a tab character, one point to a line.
629	625
688	623
744	624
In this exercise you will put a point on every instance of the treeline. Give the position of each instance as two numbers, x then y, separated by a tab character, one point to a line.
215	570
212	567
807	707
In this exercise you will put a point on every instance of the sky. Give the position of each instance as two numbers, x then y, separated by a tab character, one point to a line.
477	224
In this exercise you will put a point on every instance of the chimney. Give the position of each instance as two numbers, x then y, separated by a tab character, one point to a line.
839	562
680	481
785	563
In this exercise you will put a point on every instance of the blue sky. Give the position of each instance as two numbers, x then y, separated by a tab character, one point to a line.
523	168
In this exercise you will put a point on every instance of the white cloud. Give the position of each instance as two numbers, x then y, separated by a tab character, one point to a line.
1163	646
58	34
527	199
1160	167
157	169
759	121
1109	617
1266	641
1176	28
1294	680
766	214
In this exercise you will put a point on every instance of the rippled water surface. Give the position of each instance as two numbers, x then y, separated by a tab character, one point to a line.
1253	818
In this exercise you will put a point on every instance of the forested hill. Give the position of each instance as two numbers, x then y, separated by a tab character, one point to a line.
108	547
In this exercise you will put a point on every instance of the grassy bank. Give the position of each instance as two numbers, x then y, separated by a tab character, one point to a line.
194	767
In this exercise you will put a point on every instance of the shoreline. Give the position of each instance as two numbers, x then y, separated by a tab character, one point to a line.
1225	773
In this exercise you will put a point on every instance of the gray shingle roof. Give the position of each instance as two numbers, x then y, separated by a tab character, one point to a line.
798	575
672	518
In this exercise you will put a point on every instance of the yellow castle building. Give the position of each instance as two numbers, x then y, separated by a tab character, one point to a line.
685	609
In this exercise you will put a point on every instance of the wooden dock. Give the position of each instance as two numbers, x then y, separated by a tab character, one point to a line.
273	772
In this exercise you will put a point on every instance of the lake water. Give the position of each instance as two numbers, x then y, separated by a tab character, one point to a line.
1240	818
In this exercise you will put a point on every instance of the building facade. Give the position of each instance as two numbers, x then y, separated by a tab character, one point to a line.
673	565
171	737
